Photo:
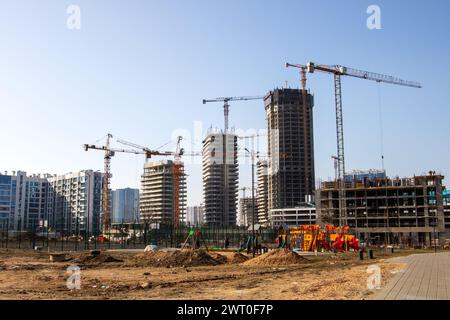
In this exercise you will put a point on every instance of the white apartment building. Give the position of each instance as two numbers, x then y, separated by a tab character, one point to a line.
76	202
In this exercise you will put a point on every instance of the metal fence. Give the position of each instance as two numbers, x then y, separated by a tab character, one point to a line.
134	236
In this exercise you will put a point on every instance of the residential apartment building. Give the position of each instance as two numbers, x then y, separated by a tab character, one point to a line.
61	204
24	202
76	201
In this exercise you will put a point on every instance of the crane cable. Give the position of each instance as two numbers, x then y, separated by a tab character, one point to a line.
380	115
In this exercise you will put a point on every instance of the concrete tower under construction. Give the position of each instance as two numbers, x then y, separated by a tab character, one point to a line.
289	117
159	193
220	178
262	193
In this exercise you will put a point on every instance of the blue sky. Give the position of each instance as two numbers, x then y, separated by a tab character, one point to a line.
139	69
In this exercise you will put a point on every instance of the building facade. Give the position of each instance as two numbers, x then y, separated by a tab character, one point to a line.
125	205
387	210
24	204
246	211
61	204
305	215
160	191
76	202
220	178
289	117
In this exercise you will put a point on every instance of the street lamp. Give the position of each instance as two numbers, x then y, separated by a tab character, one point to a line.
252	154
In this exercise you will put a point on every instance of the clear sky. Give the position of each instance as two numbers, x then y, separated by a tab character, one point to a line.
140	69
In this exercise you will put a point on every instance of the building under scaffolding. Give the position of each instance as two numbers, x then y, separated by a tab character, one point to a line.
384	210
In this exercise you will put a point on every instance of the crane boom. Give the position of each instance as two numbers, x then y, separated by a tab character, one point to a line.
104	148
346	71
148	152
222	99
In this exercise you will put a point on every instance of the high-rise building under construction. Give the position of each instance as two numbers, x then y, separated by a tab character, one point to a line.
220	178
261	193
289	118
160	194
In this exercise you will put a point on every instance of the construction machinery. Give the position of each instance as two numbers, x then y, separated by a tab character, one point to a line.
177	172
226	105
338	71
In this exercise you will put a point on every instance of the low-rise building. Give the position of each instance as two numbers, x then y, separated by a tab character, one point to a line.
304	215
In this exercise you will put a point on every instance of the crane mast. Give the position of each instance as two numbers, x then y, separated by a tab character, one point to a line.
177	172
106	184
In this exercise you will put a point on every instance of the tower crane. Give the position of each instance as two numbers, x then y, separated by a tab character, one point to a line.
176	174
226	105
226	110
148	152
109	153
338	71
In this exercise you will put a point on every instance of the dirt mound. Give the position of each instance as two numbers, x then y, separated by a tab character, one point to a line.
277	258
95	259
180	258
218	257
237	257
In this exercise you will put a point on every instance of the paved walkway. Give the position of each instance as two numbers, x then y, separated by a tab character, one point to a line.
426	277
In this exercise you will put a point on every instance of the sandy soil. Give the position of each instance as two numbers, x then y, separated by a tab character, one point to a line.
30	275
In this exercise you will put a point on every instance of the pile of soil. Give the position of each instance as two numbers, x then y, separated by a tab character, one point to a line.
218	257
282	257
95	259
237	257
180	258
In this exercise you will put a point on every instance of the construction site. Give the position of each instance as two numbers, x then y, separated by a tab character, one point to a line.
284	240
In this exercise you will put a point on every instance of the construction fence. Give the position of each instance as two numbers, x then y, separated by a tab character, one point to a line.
135	236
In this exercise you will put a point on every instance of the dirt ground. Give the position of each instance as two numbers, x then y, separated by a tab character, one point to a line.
122	275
